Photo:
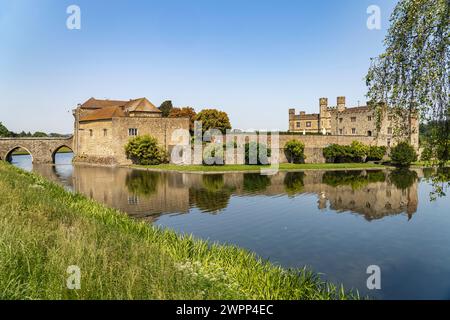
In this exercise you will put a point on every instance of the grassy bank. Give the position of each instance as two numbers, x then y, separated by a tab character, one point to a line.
283	167
44	229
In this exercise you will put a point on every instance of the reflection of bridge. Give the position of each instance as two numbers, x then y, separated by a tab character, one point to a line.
42	150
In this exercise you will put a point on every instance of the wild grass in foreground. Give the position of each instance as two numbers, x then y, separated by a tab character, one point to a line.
243	167
44	229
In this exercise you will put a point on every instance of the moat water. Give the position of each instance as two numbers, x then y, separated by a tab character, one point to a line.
337	222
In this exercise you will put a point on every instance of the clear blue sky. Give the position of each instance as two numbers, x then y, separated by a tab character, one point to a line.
252	59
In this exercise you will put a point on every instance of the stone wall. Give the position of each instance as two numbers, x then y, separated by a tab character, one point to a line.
94	146
42	150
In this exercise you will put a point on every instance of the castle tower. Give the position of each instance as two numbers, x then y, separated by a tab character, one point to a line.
291	119
340	104
325	115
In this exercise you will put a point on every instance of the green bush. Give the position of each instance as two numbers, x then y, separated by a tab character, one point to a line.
376	153
144	150
213	154
257	151
403	154
295	151
356	152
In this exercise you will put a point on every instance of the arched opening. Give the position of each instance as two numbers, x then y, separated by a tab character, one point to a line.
62	155
369	133
20	157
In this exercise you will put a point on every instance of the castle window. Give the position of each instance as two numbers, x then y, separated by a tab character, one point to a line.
389	130
91	132
353	130
105	132
133	199
340	120
369	118
132	132
369	133
298	124
308	124
353	119
340	131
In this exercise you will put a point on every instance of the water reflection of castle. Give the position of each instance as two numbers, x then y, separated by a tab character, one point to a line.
373	194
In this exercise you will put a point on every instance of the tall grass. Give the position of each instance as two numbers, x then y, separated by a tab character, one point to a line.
44	229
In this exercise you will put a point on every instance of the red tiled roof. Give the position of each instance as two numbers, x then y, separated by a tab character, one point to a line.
108	109
93	103
103	114
141	105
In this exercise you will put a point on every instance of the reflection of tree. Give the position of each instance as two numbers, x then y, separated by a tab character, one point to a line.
142	182
255	182
293	182
213	196
403	178
355	179
439	179
213	182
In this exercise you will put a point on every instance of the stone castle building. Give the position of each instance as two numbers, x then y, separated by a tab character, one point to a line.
341	120
103	128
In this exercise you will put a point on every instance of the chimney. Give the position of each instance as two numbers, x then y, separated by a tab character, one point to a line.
341	103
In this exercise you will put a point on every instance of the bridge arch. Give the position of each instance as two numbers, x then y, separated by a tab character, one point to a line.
55	151
9	154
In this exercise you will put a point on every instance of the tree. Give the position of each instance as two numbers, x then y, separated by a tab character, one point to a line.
4	132
165	108
213	119
39	134
186	112
403	154
413	74
145	150
295	151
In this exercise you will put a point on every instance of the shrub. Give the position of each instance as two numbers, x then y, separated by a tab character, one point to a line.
295	151
257	151
403	154
356	152
376	153
213	154
145	150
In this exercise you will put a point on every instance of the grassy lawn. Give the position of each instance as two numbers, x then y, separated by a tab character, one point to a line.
283	166
45	229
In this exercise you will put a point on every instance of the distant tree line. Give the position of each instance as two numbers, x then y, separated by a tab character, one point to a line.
5	133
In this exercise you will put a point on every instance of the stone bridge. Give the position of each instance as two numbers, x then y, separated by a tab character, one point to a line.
42	150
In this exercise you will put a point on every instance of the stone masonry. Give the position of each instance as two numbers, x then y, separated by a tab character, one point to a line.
42	150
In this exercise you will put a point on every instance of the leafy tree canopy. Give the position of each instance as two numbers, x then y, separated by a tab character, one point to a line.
213	119
186	112
413	74
166	107
4	132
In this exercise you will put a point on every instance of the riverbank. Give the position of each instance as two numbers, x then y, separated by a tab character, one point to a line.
257	168
45	229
